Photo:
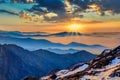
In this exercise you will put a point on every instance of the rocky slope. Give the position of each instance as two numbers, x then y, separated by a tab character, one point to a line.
106	66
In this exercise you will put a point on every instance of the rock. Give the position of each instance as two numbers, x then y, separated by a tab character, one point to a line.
31	78
104	67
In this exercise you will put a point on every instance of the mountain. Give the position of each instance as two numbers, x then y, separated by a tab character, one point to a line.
16	62
41	43
63	51
11	34
105	66
59	59
44	34
76	44
17	34
24	39
36	34
25	42
63	34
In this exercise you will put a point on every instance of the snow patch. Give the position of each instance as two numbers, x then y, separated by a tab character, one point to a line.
83	67
115	78
61	72
115	61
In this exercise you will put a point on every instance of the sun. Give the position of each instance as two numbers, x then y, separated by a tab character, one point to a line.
74	27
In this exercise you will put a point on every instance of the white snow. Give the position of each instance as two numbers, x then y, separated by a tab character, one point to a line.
106	51
44	78
103	75
115	61
83	67
104	72
115	78
61	72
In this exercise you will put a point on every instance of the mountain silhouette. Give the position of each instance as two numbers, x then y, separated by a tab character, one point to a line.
63	34
63	51
42	43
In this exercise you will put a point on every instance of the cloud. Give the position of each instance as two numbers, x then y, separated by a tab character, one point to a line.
109	12
25	15
51	4
8	12
111	5
51	15
95	8
99	7
36	17
106	6
63	10
81	3
46	10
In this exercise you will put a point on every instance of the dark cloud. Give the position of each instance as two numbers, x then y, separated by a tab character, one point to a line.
108	6
51	4
82	3
111	5
8	12
69	9
46	7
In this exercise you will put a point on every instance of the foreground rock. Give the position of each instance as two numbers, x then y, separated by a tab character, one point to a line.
106	66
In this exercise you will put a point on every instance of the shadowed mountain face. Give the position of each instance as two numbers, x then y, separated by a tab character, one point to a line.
17	63
105	66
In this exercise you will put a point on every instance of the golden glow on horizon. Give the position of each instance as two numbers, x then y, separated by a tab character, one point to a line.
75	27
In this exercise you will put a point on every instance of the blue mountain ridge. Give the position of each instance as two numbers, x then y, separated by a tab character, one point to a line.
16	62
42	43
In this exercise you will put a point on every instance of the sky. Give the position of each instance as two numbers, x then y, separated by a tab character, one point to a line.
58	15
53	16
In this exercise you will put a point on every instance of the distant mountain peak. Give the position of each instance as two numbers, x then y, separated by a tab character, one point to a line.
67	34
76	44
